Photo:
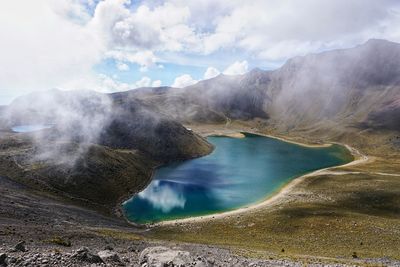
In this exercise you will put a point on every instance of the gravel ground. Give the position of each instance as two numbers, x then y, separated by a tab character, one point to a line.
37	230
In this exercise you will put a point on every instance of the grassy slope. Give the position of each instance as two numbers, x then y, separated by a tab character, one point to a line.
102	175
326	215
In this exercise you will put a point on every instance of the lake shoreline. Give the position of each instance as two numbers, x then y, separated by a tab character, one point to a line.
239	134
276	197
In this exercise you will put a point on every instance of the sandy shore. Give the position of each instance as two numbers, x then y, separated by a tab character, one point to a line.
291	141
233	135
280	195
240	134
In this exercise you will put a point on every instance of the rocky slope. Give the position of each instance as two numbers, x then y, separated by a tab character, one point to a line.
340	88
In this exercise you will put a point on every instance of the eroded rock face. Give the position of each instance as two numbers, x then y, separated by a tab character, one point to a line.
163	256
110	257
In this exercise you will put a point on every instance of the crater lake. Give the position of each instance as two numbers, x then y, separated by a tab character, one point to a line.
238	173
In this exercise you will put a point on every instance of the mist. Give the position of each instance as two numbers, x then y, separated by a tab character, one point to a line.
345	87
77	118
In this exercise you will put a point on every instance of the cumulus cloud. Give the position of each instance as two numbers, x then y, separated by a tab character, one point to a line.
211	72
106	84
183	81
156	83
64	40
122	66
144	82
40	48
238	67
266	28
145	58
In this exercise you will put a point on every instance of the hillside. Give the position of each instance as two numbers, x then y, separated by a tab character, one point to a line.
97	150
102	148
333	92
349	88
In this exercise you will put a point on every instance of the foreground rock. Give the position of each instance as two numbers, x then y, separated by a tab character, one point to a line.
155	255
84	254
3	258
20	246
110	257
163	256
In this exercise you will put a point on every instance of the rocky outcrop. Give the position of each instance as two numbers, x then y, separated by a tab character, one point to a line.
110	257
162	256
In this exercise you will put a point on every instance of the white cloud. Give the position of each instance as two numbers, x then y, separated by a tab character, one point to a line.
41	49
156	83
63	40
106	84
211	72
144	82
161	28
238	67
183	81
145	58
98	82
265	28
143	69
122	66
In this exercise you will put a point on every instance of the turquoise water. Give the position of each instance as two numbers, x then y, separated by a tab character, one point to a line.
237	173
30	128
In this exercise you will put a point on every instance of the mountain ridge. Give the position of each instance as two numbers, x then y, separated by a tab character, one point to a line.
345	86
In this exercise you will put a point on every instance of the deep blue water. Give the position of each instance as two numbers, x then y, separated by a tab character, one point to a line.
237	173
30	128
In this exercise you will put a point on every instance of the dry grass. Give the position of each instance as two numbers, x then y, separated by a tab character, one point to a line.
57	240
117	234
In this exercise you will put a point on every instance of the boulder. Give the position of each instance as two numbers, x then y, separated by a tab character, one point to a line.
109	256
3	258
20	246
109	247
84	254
163	256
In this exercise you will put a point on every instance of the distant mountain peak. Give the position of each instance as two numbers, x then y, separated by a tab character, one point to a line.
256	70
377	41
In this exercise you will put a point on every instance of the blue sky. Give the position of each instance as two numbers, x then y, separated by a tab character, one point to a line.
114	45
165	72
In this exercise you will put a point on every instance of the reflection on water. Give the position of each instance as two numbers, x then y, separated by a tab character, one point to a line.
237	173
164	196
30	128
